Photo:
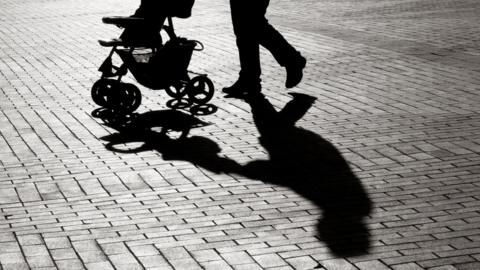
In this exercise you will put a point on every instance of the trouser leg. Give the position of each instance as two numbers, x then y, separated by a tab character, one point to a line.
273	41
248	17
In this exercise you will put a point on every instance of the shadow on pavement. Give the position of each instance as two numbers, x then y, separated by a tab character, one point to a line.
299	159
314	168
150	131
140	127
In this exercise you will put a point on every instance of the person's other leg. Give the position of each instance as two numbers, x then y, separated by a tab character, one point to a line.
283	52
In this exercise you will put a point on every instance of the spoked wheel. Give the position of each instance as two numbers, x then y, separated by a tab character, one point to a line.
102	91
203	109
127	99
200	89
112	94
176	90
179	103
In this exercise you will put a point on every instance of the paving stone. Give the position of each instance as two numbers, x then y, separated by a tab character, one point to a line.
30	239
153	261
16	266
99	265
396	87
269	260
445	267
337	264
114	248
235	258
189	264
408	266
63	253
304	262
35	250
92	256
216	265
249	266
10	247
57	242
74	264
39	261
12	258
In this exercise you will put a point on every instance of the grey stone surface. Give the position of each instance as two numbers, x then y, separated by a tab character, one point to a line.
397	91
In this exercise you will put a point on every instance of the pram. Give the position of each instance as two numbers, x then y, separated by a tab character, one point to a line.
153	63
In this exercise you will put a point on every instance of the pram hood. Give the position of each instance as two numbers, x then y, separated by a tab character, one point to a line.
168	8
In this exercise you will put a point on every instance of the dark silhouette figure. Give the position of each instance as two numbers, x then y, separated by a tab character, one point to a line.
298	159
252	29
314	168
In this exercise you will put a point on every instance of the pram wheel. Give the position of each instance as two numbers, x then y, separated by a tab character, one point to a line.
176	90
200	89
127	98
101	91
112	94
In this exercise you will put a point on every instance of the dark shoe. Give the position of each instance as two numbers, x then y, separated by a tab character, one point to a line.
295	71
241	88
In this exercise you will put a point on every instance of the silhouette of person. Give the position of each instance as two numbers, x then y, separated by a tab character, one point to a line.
252	29
311	166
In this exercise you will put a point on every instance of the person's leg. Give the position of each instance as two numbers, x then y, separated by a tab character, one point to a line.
251	29
246	17
278	46
283	52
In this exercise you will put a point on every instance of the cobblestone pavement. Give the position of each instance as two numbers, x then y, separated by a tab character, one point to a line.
398	99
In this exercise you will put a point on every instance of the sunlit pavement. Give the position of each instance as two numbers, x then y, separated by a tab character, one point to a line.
382	171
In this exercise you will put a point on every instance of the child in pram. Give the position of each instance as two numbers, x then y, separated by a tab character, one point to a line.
153	63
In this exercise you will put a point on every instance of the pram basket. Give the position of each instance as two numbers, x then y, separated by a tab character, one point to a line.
161	68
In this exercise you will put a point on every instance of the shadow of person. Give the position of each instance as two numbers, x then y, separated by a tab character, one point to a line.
298	159
314	168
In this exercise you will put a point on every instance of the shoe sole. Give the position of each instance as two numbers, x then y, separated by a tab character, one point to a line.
302	66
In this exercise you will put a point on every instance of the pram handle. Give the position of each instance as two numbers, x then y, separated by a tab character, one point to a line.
201	47
170	29
171	34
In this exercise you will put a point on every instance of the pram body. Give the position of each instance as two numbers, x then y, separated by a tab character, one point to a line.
153	63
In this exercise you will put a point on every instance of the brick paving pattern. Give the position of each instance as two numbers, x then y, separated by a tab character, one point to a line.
398	99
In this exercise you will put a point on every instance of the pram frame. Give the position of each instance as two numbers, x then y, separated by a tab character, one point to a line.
198	90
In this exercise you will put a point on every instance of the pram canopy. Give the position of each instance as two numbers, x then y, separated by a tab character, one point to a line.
150	9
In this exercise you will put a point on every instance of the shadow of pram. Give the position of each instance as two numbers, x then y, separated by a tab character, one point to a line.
142	127
298	159
152	131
